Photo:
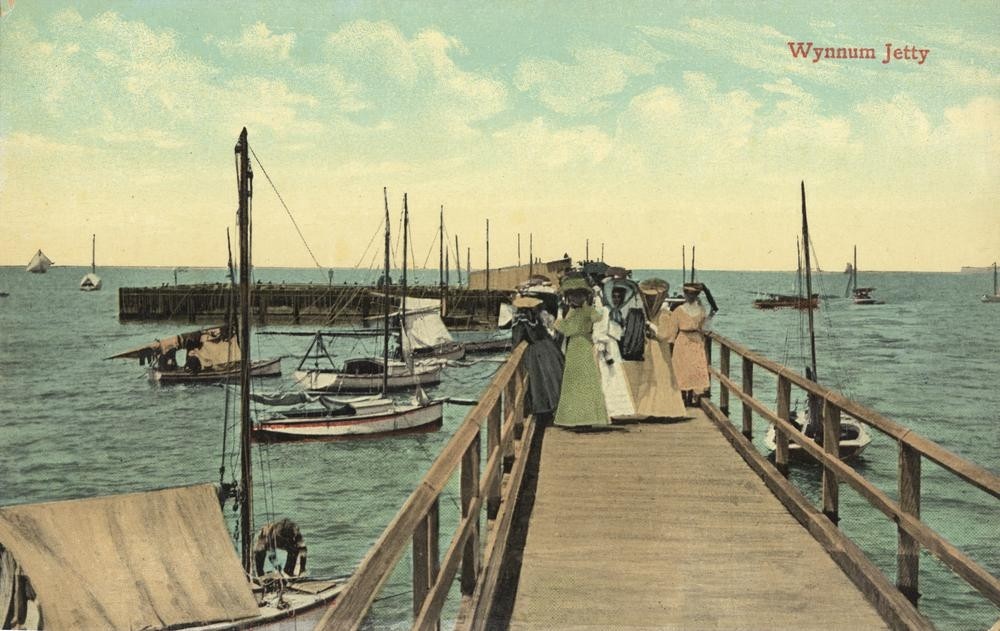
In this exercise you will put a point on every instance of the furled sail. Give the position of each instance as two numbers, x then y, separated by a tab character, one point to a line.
213	347
39	263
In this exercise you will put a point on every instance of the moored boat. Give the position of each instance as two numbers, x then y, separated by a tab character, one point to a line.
39	263
996	289
779	301
92	282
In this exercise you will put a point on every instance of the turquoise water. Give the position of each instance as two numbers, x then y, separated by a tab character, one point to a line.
76	425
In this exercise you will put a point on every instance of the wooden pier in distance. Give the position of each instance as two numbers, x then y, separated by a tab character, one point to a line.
330	305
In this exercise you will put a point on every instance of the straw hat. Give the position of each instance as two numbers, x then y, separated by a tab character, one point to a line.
693	288
653	286
574	283
526	302
616	272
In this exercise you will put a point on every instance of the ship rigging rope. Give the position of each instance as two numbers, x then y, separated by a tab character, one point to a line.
285	206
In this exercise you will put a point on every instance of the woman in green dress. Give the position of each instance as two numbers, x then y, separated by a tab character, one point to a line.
581	401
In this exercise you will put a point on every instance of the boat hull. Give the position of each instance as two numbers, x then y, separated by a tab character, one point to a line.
489	346
452	350
303	612
405	420
849	449
263	368
329	381
988	298
790	302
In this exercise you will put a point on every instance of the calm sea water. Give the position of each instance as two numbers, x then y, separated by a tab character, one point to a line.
76	425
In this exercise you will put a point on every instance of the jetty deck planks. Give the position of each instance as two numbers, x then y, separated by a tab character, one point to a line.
664	526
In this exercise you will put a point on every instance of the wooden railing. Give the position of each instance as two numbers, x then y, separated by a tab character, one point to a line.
508	436
912	533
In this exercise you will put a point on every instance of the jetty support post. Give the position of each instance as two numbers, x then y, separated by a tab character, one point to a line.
908	549
470	491
426	557
831	445
780	437
724	369
748	389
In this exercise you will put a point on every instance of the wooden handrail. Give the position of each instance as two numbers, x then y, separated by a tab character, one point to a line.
417	518
912	532
976	475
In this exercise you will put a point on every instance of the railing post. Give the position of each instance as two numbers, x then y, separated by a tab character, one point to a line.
508	417
780	437
747	388
908	550
470	489
492	443
724	369
425	556
708	362
831	445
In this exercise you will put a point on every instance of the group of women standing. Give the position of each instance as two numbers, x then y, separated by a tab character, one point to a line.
605	368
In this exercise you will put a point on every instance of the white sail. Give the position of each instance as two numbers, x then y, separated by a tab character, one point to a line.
90	282
39	263
505	317
424	328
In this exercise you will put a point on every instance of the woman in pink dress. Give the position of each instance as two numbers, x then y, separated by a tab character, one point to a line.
685	330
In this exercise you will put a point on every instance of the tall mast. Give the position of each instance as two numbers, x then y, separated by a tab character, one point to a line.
809	291
854	270
93	254
487	255
441	248
468	264
692	263
684	263
402	300
995	292
246	471
519	249
586	251
458	261
385	301
602	251
798	268
531	254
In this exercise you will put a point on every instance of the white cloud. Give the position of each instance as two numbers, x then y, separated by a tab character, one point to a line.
536	143
582	86
755	46
258	42
383	73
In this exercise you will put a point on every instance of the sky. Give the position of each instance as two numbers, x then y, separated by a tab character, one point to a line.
644	126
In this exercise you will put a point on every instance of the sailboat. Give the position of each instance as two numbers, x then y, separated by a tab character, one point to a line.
862	295
996	290
854	438
364	416
212	355
92	282
159	559
39	263
794	301
373	374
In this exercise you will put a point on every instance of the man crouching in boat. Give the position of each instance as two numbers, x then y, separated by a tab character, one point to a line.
283	534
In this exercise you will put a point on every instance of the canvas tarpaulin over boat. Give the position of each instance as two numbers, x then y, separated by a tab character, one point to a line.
136	561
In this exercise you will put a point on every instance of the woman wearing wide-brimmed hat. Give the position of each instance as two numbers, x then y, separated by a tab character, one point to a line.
685	330
654	387
542	358
581	401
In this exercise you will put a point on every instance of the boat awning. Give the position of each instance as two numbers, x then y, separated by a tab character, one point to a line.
136	561
172	342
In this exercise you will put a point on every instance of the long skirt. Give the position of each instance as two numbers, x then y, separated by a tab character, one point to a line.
690	363
581	401
654	387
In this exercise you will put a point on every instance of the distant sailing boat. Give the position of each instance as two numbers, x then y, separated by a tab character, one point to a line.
92	282
853	436
39	263
996	290
862	295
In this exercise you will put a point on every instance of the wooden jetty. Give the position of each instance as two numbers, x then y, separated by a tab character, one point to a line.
352	305
667	526
507	278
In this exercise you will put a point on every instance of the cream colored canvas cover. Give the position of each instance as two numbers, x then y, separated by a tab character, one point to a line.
136	561
424	329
